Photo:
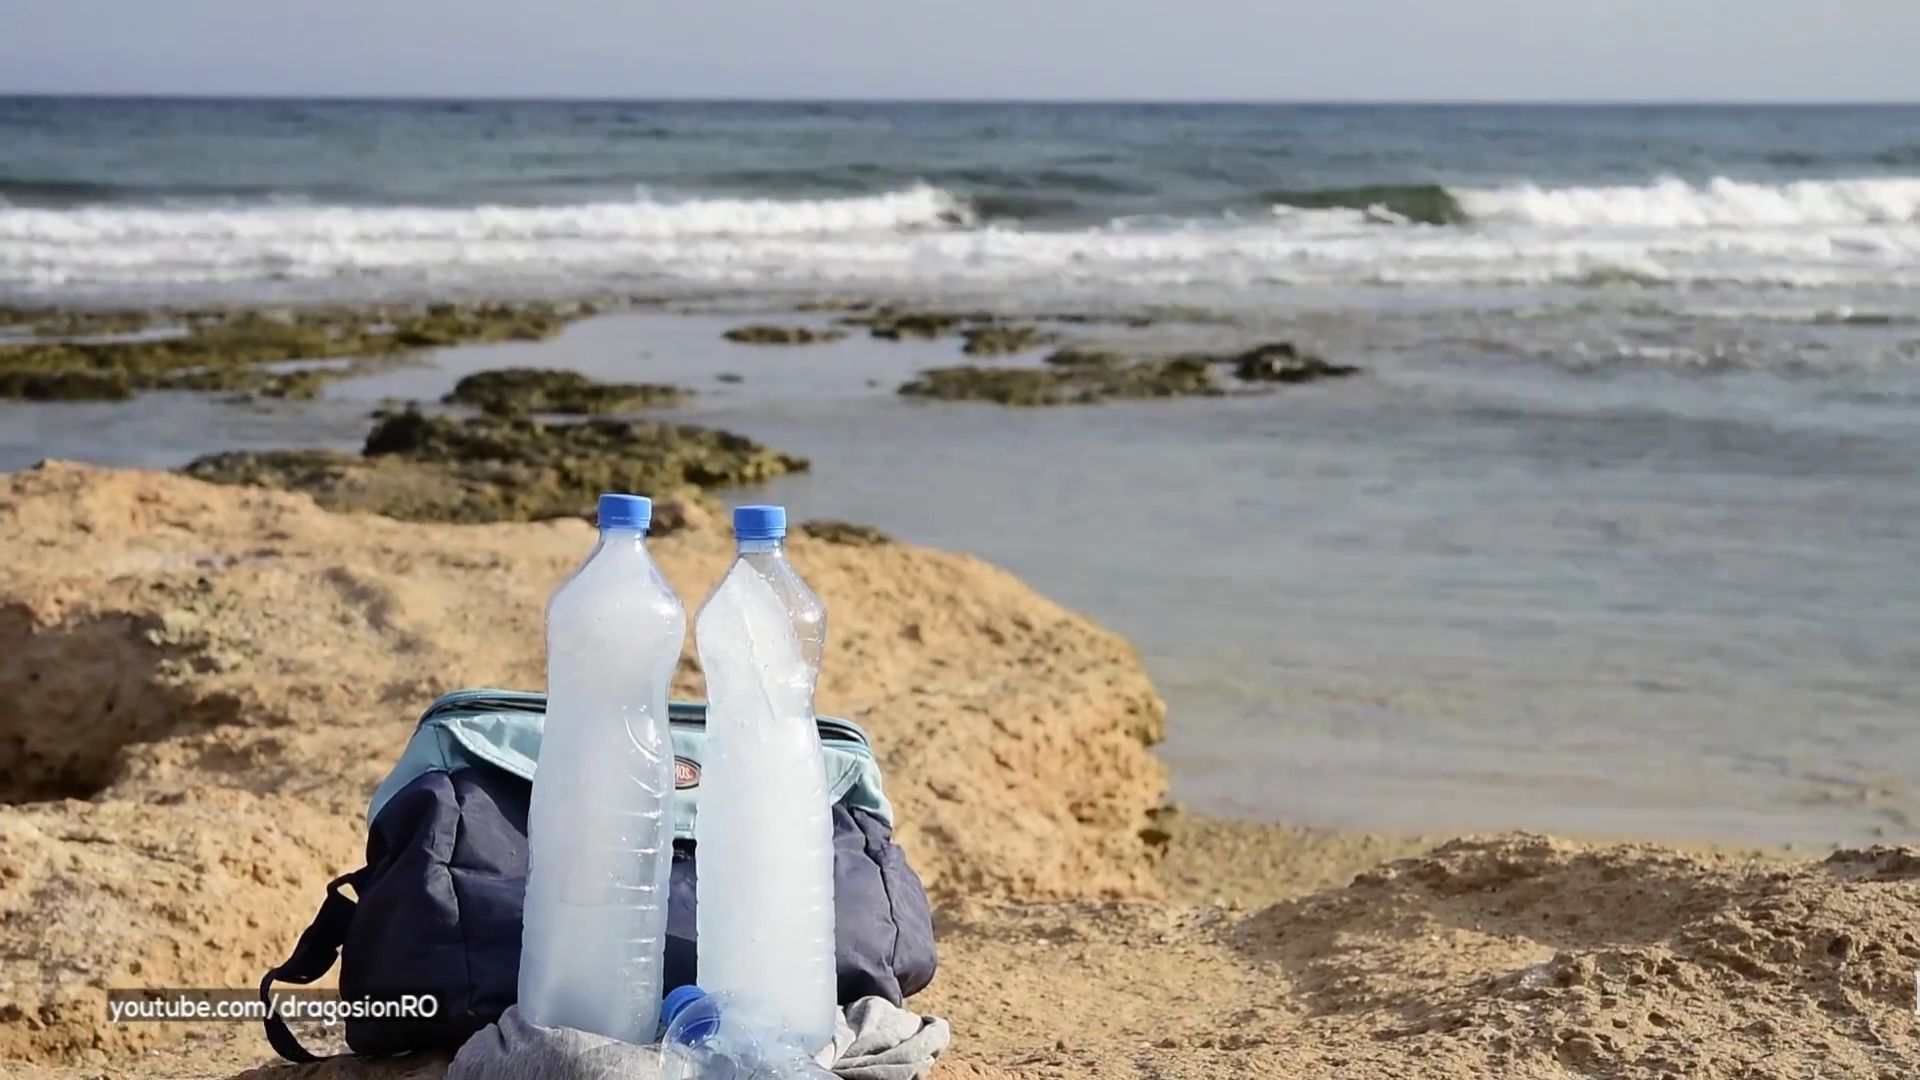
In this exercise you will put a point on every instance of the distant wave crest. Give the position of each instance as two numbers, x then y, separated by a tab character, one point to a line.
1427	204
1805	233
1677	204
1663	204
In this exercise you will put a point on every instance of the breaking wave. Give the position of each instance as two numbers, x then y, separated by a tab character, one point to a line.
1801	233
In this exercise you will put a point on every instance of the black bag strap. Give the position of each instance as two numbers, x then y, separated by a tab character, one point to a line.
313	956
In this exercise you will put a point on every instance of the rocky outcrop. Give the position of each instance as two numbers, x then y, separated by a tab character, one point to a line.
474	469
289	352
1081	384
763	334
522	391
223	673
1003	340
1281	362
844	532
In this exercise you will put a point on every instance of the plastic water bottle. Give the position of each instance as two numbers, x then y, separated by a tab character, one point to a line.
600	827
710	1037
765	829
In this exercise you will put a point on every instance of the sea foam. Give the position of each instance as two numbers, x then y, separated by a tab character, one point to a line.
1803	233
1675	204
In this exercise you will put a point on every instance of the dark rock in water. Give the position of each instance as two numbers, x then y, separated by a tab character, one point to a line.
1273	350
65	385
760	334
1004	386
892	324
729	377
1178	377
1089	317
1068	385
1085	356
924	325
1281	362
517	391
1002	340
832	305
229	351
845	532
428	468
673	453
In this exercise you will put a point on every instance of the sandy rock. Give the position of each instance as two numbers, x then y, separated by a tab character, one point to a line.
1509	956
225	673
204	682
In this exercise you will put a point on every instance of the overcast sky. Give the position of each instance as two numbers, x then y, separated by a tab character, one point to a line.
1769	50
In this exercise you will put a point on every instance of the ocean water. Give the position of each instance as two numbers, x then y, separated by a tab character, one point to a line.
350	196
1615	536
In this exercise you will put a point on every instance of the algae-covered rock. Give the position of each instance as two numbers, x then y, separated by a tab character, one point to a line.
300	382
921	325
65	385
831	304
891	324
51	322
1002	340
1003	386
424	468
411	489
453	324
763	334
845	532
1069	385
223	350
516	391
1177	377
1276	362
1085	356
648	455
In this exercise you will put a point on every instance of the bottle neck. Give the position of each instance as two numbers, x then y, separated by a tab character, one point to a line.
761	547
622	536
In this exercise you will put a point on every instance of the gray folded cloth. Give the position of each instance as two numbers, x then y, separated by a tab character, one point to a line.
874	1039
514	1048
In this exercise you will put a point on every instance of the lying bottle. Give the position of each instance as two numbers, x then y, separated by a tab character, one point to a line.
710	1037
765	827
600	825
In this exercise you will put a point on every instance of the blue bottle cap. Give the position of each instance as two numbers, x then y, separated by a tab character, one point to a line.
679	1000
625	511
759	522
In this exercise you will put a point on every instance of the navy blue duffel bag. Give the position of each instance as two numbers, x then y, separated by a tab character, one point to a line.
439	900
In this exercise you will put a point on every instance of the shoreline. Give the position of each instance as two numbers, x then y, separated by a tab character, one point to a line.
265	644
1271	477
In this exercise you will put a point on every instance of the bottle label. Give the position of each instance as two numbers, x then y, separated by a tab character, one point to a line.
686	773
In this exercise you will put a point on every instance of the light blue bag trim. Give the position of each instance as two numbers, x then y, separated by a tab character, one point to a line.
501	729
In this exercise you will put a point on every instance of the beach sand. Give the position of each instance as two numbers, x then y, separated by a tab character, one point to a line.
201	684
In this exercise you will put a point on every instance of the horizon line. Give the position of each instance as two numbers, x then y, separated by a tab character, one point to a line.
594	99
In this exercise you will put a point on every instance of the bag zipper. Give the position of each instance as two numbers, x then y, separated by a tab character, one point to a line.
689	714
